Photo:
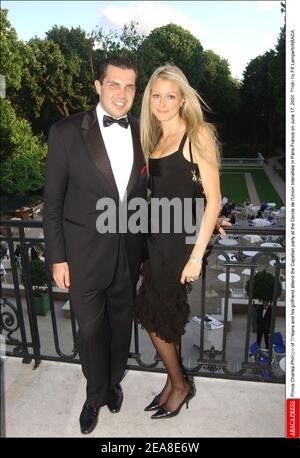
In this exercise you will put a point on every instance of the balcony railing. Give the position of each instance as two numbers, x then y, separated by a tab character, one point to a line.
244	161
214	346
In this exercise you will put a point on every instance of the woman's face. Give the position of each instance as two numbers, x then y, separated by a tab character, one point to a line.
165	99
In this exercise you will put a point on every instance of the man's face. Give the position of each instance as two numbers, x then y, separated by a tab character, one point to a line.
116	93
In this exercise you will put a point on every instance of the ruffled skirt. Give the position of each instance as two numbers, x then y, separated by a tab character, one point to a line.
162	309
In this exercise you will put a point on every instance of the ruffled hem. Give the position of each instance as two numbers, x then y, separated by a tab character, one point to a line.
164	312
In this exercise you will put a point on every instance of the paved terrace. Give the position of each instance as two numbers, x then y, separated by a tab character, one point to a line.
46	402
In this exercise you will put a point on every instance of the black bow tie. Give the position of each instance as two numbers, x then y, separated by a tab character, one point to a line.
108	121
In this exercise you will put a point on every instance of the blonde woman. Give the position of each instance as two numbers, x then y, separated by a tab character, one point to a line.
182	154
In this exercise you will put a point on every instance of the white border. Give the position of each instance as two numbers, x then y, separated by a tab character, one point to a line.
292	202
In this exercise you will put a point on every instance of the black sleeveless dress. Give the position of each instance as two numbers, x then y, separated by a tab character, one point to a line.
161	302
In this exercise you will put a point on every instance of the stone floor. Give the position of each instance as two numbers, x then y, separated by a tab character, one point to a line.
46	402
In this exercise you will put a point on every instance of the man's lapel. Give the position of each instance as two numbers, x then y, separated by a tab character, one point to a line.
96	148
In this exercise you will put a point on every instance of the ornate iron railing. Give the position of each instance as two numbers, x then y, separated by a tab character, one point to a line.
21	326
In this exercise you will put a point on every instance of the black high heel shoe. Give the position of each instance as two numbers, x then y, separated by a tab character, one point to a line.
162	413
154	405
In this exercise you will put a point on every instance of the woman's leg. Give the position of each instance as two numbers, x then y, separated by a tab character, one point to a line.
176	387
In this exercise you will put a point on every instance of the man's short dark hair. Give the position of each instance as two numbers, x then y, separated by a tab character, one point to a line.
124	62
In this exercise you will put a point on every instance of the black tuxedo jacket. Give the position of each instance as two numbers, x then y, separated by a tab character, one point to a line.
264	321
78	173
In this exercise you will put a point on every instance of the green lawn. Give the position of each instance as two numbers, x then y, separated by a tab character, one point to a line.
234	186
265	189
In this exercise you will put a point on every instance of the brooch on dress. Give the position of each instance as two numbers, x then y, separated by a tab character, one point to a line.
196	178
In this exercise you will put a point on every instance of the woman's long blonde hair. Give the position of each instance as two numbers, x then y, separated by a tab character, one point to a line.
191	112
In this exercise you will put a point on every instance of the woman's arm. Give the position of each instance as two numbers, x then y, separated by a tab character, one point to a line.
211	186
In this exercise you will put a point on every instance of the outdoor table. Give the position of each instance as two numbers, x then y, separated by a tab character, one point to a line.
233	278
271	245
250	253
228	242
221	257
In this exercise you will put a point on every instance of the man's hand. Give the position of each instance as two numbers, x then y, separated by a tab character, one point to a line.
60	272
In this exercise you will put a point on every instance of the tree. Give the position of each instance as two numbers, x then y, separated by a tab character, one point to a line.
258	101
22	154
11	55
169	44
45	83
38	277
263	96
130	38
106	43
221	92
77	49
174	45
51	85
263	290
279	88
127	42
263	287
57	78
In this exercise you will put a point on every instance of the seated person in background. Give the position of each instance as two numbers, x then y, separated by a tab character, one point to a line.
34	254
17	251
232	219
226	210
224	200
230	207
263	207
221	223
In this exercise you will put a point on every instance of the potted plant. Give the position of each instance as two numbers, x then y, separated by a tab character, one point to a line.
263	289
41	301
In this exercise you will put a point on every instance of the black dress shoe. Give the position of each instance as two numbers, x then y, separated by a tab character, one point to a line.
154	405
163	413
88	418
115	400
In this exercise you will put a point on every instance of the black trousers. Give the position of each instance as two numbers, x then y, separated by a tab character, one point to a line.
104	319
263	329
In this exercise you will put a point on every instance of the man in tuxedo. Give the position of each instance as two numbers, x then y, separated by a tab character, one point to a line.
264	315
92	155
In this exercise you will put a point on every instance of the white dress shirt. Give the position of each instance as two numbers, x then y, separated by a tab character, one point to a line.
119	147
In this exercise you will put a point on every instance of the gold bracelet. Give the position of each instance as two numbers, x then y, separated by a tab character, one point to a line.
195	260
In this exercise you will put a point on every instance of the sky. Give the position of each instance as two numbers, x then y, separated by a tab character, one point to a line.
236	30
